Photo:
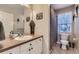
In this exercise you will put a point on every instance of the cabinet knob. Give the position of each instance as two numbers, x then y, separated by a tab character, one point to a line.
30	44
29	49
10	53
39	39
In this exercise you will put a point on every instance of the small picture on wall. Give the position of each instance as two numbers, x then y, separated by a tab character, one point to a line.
27	19
39	16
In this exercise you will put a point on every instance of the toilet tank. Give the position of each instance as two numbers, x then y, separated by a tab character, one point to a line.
64	36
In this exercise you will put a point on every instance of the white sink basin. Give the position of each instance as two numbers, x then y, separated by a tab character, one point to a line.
28	37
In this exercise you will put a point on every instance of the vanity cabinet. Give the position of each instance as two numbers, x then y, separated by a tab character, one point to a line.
31	47
36	46
25	48
12	51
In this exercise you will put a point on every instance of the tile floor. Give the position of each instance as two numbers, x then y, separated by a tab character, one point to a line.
57	50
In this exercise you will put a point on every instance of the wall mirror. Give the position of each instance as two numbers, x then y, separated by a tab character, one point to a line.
9	15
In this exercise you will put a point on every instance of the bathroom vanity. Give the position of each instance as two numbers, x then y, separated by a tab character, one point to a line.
31	46
14	22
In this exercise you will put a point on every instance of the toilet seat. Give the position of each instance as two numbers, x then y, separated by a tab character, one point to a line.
65	42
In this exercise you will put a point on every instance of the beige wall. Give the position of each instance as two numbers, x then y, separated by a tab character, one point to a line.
76	26
27	13
42	26
18	25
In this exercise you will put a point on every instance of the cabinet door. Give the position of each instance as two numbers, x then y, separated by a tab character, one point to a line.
12	51
36	46
25	48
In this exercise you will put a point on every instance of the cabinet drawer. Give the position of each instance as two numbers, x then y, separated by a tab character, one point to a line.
32	47
24	49
36	46
12	51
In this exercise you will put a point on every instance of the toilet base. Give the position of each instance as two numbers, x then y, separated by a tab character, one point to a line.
64	47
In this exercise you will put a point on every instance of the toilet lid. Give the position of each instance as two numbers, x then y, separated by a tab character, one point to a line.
64	41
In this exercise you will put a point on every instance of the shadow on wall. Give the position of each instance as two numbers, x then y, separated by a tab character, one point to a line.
2	34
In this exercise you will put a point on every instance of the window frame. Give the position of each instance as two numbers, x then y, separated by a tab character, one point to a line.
70	31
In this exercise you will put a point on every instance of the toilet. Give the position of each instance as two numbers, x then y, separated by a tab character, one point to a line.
64	41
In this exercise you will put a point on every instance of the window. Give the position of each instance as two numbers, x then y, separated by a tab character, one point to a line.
65	22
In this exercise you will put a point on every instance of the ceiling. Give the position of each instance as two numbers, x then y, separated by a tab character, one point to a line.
12	8
60	6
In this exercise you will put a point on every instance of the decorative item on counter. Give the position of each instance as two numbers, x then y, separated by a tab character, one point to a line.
11	34
32	27
28	19
39	16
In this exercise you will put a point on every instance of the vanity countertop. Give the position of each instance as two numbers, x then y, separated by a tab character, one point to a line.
11	43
